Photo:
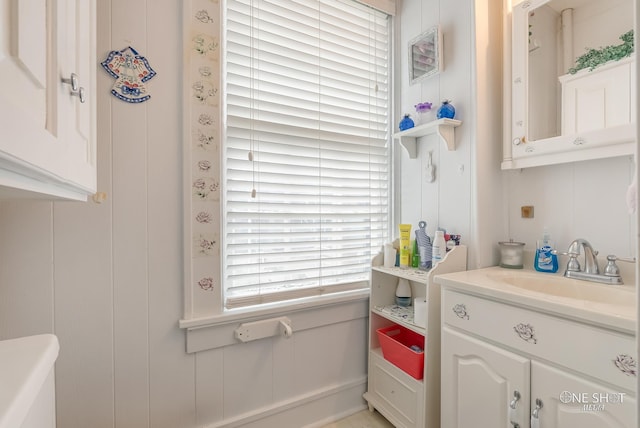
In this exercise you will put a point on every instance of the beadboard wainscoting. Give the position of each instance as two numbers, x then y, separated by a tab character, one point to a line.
107	279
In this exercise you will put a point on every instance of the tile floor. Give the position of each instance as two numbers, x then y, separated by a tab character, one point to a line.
363	419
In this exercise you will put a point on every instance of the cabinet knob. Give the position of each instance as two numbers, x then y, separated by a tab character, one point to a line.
80	93
461	311
526	332
516	398
626	364
76	89
512	409
535	414
73	81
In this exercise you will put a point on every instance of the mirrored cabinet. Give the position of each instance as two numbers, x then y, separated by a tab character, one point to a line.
571	92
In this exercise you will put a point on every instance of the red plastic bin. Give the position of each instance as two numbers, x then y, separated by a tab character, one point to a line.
396	342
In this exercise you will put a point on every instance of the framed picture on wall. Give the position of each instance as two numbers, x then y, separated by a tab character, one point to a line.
425	55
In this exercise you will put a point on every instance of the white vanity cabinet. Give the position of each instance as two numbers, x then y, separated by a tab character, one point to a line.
505	365
404	400
47	99
27	386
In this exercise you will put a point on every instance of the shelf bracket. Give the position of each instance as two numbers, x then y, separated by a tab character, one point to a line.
444	128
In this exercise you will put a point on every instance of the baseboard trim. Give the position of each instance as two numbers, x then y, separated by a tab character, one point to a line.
289	405
333	418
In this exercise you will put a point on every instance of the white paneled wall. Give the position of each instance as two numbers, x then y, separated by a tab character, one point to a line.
466	197
470	195
579	200
107	278
446	201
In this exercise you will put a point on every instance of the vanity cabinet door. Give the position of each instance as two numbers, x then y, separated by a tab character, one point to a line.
571	401
478	384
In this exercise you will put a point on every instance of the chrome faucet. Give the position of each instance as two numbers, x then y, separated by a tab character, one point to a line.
591	270
590	259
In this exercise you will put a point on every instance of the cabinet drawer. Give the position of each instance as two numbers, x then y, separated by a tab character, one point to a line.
593	351
401	393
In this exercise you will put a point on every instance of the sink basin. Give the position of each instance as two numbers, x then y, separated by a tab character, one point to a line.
610	306
566	288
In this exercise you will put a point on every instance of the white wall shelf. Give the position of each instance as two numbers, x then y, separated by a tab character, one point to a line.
443	127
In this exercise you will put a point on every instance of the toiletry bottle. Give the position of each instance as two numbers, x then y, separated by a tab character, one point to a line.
403	292
545	260
439	247
405	245
415	255
424	245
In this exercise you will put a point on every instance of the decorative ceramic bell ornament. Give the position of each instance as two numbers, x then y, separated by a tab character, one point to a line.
406	123
446	110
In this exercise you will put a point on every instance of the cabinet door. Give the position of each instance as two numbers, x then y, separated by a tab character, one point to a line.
478	383
570	401
28	88
42	43
78	118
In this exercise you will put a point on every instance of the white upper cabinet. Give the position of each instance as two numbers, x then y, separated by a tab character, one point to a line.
555	110
47	99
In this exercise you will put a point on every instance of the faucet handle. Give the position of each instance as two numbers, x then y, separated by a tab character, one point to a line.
612	268
573	265
622	259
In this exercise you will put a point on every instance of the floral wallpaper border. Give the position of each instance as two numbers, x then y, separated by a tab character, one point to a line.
201	45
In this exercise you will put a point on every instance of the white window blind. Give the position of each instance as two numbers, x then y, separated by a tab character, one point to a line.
306	151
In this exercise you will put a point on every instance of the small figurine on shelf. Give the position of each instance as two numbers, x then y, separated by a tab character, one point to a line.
424	113
446	110
406	123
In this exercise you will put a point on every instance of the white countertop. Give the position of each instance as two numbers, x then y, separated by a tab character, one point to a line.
612	306
25	364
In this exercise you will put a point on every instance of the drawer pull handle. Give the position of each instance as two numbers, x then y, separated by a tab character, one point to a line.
626	364
461	311
526	333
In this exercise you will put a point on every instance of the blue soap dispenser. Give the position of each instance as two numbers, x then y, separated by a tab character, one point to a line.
545	260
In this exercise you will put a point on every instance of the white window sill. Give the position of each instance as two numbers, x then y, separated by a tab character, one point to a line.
218	330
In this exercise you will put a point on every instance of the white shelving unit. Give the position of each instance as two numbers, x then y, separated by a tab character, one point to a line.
443	127
402	399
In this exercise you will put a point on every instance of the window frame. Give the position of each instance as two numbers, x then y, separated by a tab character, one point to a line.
207	309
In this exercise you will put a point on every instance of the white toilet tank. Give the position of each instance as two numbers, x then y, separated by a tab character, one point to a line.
27	386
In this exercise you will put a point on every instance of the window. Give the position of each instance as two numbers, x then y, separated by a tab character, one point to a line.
306	184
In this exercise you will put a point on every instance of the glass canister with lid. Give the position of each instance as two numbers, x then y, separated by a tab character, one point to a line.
511	254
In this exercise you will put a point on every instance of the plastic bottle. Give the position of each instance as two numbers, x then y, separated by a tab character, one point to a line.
403	292
545	260
405	245
439	247
424	245
415	254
